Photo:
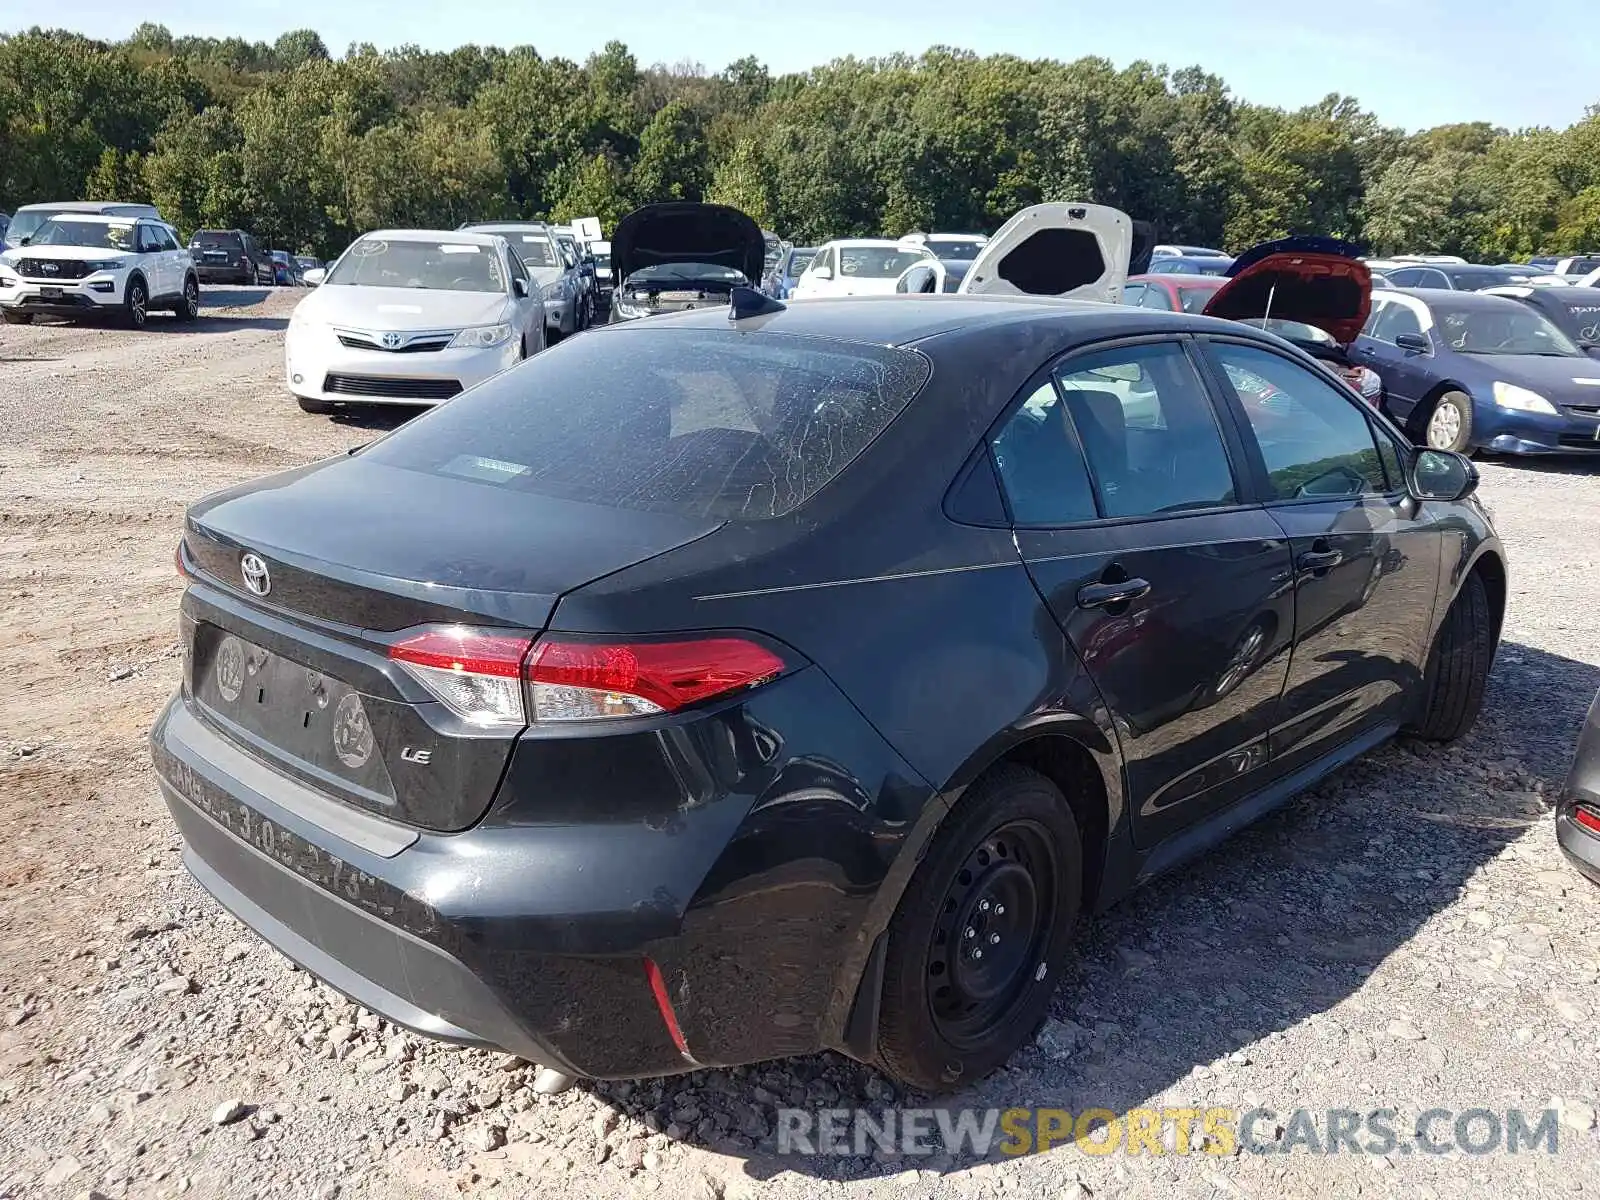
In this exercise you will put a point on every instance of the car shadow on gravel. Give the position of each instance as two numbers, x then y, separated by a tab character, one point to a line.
1571	464
211	323
1173	987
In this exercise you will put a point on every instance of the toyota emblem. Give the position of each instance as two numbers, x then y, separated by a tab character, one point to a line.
255	574
391	341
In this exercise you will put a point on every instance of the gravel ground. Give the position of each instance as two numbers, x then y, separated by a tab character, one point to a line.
1405	937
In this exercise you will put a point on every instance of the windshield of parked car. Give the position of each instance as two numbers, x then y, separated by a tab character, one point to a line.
534	249
957	249
1514	329
702	423
798	262
685	272
877	262
116	235
1195	299
602	262
1473	278
403	263
25	223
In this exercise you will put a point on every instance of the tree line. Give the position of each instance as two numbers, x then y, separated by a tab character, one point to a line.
308	150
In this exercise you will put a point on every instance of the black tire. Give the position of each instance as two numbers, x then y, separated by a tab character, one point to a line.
1458	666
16	318
320	408
946	1022
187	306
136	303
1448	424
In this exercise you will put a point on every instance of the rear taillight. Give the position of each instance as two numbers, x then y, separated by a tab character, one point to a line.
475	674
478	675
1587	817
585	681
177	561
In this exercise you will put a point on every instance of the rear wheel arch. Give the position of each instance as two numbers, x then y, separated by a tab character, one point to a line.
1072	753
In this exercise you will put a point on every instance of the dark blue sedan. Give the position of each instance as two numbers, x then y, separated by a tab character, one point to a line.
1464	371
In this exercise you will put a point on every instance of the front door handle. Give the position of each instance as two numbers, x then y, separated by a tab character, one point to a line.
1103	595
1320	560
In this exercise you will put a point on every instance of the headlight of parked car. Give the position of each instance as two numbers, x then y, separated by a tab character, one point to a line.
110	264
1509	395
481	337
630	307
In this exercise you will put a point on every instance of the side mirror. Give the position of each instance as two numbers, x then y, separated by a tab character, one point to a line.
1443	475
315	276
917	280
520	288
1416	342
822	273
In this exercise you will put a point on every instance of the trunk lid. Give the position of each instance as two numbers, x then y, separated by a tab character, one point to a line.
317	572
1082	251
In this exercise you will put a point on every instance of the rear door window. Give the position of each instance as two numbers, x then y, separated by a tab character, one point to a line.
1148	430
696	422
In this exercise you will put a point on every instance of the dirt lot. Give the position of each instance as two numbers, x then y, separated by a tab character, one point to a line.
1406	937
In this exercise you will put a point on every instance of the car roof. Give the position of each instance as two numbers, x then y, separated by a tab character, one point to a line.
87	206
458	236
1457	299
905	320
100	218
883	243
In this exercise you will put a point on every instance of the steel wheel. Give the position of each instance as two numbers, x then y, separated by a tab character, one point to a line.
989	935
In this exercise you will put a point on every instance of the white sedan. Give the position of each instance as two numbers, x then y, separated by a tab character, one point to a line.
412	316
858	267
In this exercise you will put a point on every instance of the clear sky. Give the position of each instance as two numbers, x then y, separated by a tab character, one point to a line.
1415	63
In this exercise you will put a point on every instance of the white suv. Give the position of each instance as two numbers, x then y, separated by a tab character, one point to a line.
82	264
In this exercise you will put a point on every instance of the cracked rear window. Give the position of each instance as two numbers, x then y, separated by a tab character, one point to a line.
704	423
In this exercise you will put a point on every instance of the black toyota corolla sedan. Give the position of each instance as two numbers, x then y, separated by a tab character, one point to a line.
716	688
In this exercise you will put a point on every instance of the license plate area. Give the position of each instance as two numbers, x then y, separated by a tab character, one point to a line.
315	724
50	293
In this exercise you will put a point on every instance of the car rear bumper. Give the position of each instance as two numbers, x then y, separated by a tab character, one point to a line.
318	367
210	274
1582	847
731	852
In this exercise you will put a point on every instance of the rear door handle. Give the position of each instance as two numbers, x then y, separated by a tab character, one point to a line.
1320	560
1103	595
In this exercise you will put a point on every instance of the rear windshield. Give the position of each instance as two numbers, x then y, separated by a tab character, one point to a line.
701	423
220	238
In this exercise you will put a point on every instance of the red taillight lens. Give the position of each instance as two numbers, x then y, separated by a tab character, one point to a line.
177	561
582	681
475	674
1587	817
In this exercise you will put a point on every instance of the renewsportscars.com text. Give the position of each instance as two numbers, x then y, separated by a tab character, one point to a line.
1156	1131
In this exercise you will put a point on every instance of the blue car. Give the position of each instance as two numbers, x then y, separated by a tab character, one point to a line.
787	270
1465	371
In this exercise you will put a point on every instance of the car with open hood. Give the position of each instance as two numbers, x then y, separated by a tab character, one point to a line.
1313	291
682	255
412	316
1468	371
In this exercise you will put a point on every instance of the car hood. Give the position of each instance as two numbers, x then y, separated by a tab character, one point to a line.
68	253
403	308
683	231
1314	280
1564	380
